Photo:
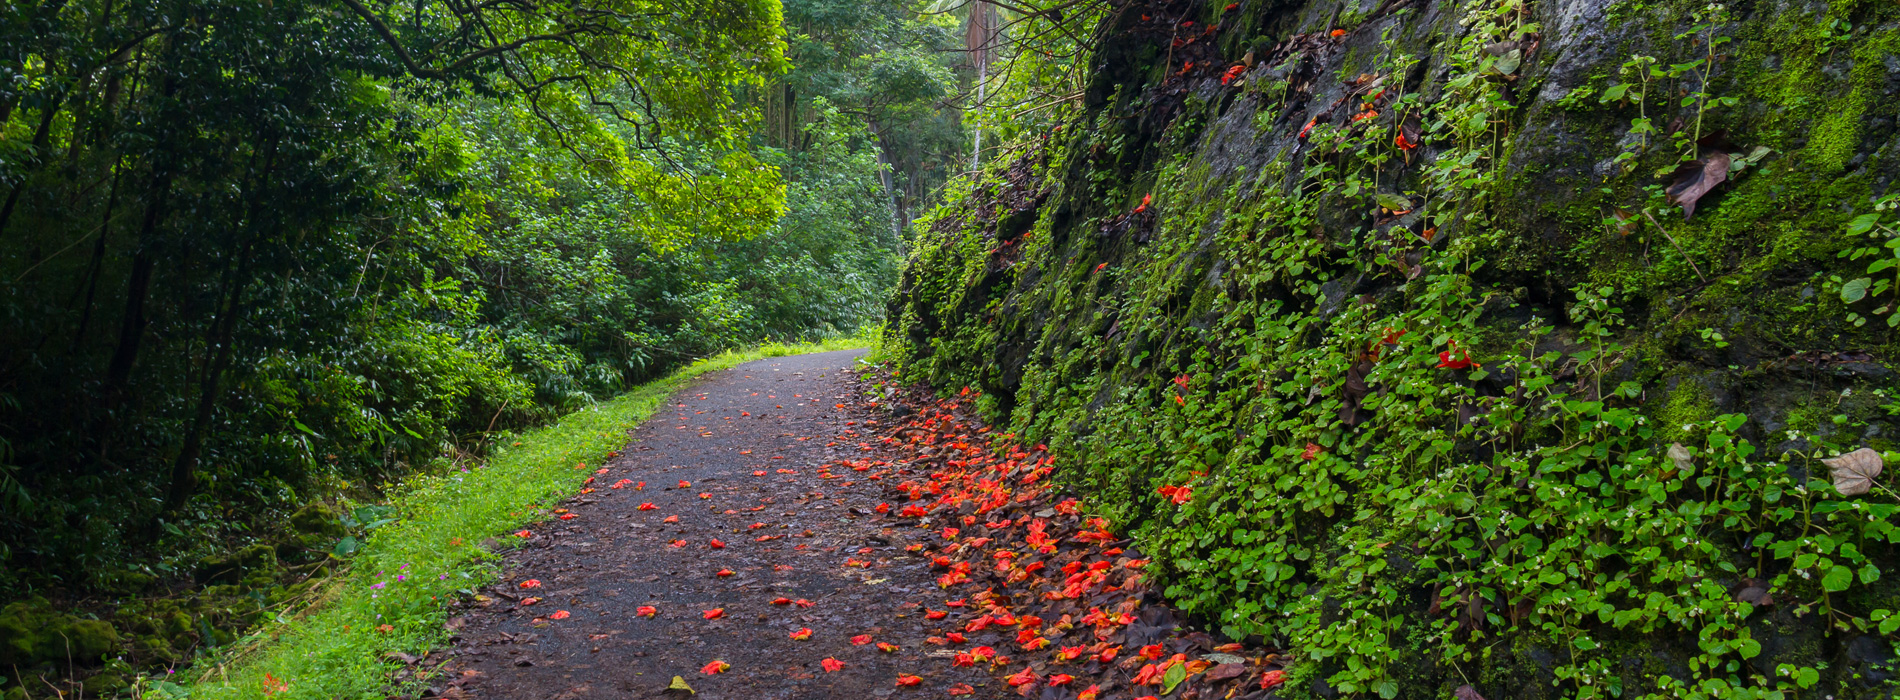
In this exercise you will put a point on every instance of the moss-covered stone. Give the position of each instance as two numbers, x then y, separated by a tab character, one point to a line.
33	632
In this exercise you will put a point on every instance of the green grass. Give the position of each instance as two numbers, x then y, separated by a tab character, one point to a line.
337	647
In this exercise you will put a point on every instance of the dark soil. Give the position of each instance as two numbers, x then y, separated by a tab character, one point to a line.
791	413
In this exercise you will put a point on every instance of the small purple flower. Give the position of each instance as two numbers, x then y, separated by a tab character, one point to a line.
377	585
400	577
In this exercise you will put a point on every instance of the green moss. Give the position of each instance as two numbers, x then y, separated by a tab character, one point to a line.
33	632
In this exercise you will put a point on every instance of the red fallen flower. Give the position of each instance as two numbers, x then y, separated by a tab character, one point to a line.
677	543
1099	268
670	519
955	637
883	508
958	603
1231	7
715	668
962	659
1177	494
831	665
524	534
644	506
685	484
801	602
724	573
962	689
802	634
716	544
1311	452
1339	32
1309	127
1147	675
1229	648
558	615
1108	654
621	484
1462	360
983	653
905	679
714	613
530	601
1025	677
887	647
646	611
1151	651
1149	198
642	486
1232	73
1090	693
1272	678
1403	143
861	639
1033	644
531	583
781	601
1061	679
935	614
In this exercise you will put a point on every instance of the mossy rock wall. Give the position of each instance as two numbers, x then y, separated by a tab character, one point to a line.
1406	304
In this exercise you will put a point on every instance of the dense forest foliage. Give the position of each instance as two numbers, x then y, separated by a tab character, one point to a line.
260	254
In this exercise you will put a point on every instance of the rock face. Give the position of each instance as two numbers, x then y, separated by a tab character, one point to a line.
1416	295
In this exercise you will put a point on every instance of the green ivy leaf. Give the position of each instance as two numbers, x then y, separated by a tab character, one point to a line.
1173	677
1387	689
1837	579
1855	290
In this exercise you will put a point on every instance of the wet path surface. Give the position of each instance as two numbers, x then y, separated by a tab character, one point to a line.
738	540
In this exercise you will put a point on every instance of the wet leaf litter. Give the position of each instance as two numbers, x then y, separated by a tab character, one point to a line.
772	534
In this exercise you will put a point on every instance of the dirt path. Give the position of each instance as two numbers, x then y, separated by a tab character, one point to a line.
750	442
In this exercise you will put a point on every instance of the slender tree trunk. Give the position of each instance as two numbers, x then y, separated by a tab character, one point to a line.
138	287
96	268
884	170
40	137
222	337
184	477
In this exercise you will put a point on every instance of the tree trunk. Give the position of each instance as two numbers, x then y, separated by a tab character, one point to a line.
40	137
184	477
138	287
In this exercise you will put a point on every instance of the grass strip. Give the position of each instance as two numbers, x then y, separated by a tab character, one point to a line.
393	597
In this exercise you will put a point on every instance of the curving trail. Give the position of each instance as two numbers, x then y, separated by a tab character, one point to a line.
790	533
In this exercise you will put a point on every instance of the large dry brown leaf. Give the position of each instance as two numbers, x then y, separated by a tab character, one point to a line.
1854	472
1693	180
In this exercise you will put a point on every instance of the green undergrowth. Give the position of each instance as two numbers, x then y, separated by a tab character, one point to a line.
450	531
1447	418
